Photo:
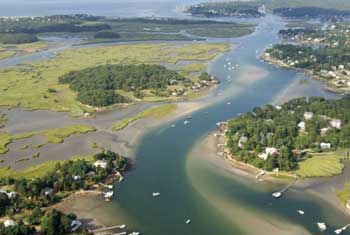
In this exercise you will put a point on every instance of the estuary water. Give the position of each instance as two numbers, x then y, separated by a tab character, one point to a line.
192	185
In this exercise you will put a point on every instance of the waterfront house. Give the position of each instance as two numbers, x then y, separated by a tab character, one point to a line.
75	225
308	115
9	223
242	141
336	123
100	163
268	152
325	145
47	191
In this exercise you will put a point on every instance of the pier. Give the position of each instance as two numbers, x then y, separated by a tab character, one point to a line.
340	230
107	230
280	193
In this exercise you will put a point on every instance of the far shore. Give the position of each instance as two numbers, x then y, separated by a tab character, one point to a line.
327	86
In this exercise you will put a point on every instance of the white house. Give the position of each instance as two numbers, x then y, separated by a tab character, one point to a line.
336	123
9	223
10	195
76	177
75	225
242	141
47	191
325	145
100	163
324	130
301	126
308	115
268	152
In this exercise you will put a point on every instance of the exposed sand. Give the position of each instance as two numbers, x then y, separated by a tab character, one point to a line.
235	211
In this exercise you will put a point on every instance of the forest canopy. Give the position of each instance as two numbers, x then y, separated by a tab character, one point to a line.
279	127
96	86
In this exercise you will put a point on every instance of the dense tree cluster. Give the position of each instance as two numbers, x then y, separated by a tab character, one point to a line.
68	176
274	127
17	38
307	57
212	9
96	86
311	12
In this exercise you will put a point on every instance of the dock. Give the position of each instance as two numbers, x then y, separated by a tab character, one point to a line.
108	229
340	230
280	193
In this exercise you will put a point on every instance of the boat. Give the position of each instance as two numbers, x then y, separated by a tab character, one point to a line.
228	103
338	231
186	122
122	226
322	226
301	212
156	194
277	194
134	233
188	221
173	125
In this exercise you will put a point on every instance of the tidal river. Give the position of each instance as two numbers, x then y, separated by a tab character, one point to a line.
192	183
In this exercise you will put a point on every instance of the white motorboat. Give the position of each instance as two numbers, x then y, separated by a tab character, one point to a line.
156	194
186	122
322	226
277	194
301	212
188	221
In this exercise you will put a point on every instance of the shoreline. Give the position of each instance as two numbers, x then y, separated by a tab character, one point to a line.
322	188
327	86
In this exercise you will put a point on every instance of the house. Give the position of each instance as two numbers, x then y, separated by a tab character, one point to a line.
100	163
9	223
308	115
10	195
76	177
301	126
324	130
336	123
242	141
91	174
325	145
268	152
75	225
47	191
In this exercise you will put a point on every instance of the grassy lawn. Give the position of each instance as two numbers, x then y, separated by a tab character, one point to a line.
37	170
6	54
344	194
157	112
56	135
28	87
322	165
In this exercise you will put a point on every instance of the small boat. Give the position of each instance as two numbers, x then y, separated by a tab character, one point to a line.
186	122
228	103
188	221
338	231
322	226
277	194
301	212
156	194
173	125
134	233
122	226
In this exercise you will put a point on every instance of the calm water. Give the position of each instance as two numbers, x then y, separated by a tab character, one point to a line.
191	186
